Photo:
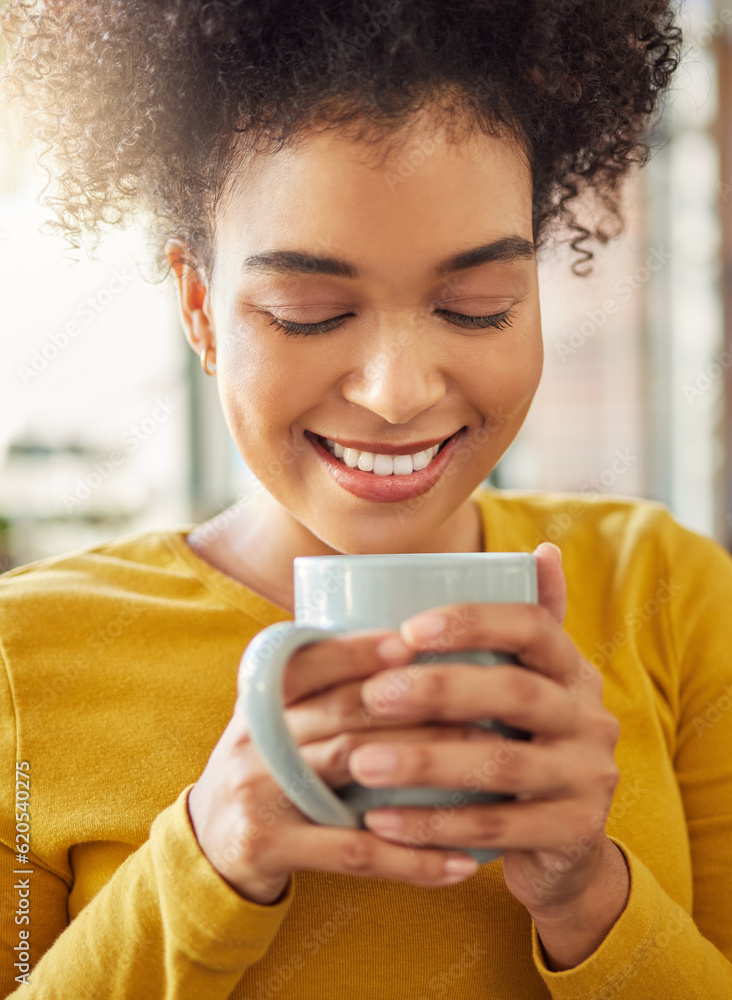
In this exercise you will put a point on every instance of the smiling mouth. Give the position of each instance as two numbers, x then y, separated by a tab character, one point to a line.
380	464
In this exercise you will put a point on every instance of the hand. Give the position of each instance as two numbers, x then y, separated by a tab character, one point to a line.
246	825
553	834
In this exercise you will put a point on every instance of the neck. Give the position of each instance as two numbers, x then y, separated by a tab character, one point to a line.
259	544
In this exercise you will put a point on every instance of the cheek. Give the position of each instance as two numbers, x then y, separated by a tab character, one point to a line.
265	386
248	381
508	373
528	367
505	385
525	361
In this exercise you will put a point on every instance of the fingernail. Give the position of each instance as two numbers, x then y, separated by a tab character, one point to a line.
384	822
373	762
460	867
384	691
423	627
393	649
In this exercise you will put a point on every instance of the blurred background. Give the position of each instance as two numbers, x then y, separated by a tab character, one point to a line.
109	426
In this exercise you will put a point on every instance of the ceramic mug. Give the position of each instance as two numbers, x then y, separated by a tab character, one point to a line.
335	595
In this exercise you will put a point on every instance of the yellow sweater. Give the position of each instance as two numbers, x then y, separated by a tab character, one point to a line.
119	676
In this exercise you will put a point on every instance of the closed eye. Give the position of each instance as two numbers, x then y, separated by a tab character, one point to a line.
499	321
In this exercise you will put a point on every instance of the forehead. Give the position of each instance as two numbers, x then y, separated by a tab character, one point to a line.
424	190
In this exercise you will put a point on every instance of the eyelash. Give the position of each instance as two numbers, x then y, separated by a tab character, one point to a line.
499	321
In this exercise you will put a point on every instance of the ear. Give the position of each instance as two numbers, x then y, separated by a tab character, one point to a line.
194	299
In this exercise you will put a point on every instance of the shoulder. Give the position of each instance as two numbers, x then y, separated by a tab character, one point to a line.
52	593
107	559
577	518
614	539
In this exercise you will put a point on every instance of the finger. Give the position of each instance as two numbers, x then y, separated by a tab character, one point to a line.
551	582
332	661
458	691
330	758
335	710
510	826
527	630
360	852
504	766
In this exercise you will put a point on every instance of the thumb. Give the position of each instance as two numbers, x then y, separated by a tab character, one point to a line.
552	585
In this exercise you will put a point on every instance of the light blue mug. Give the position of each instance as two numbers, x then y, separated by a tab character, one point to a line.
340	594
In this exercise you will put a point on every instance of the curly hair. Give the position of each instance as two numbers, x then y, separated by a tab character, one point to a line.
145	105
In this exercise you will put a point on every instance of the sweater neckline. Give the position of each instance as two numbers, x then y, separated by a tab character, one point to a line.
233	591
265	611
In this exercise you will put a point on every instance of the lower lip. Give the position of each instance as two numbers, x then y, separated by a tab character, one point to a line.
387	489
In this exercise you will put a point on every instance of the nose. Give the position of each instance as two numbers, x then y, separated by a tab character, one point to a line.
398	373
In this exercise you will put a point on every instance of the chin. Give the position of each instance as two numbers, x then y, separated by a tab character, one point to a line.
389	530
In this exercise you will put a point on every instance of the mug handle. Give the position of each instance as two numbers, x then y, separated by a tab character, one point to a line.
260	686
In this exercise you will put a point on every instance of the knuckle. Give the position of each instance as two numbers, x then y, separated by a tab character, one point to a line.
600	778
247	780
236	734
253	788
236	774
432	685
489	824
609	777
604	726
420	763
612	729
515	770
357	855
597	681
522	686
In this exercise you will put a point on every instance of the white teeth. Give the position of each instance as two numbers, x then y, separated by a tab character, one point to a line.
403	465
382	465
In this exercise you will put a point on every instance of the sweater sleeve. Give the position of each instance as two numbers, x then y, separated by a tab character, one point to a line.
656	948
165	925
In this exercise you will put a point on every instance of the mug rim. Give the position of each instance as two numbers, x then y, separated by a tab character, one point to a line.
380	557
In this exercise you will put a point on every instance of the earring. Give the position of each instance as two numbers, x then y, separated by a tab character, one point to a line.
204	365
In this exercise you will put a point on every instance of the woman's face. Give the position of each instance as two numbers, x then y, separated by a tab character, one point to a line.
326	233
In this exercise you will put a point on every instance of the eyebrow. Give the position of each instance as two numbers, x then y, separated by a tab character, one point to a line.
506	249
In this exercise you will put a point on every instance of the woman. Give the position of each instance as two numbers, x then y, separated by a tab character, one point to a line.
351	199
